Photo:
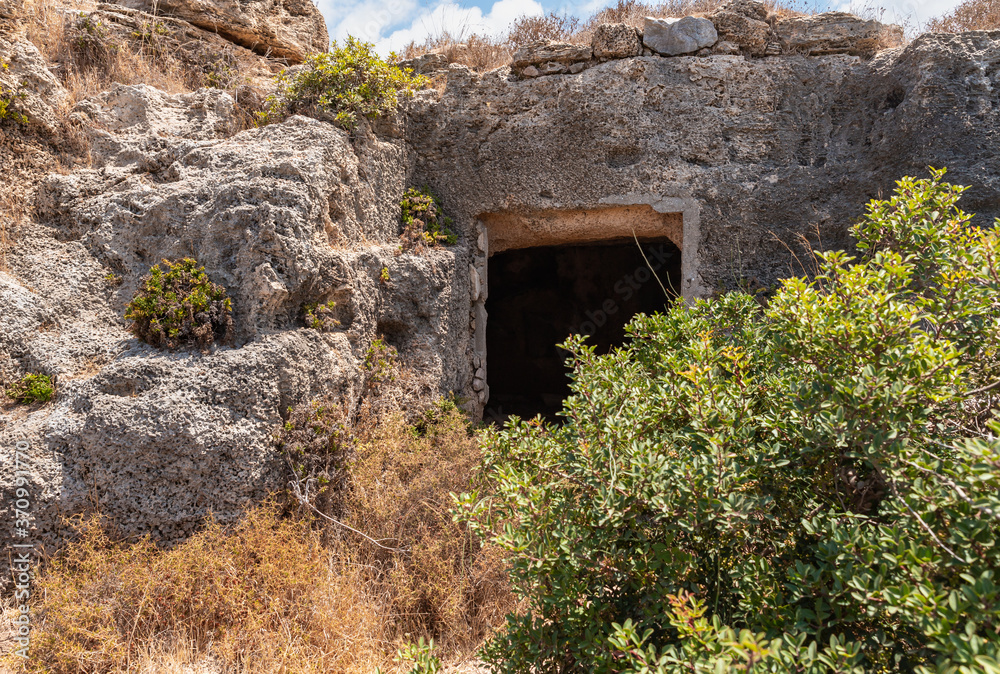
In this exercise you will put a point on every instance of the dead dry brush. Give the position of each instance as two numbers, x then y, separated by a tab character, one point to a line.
369	561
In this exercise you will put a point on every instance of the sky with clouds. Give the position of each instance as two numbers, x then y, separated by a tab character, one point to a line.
391	24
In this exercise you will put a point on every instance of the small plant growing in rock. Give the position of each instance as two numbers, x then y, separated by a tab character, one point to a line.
383	276
8	101
112	279
424	222
381	362
342	86
320	316
32	388
178	305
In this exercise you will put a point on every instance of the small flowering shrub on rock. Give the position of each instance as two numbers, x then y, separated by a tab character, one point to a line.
320	316
178	305
342	86
424	221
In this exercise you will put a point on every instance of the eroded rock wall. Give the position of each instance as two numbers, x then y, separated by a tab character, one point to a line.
769	149
741	159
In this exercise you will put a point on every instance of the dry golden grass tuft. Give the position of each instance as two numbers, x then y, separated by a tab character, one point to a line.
283	592
87	57
970	15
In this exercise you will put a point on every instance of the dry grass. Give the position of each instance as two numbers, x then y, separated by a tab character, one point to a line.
970	15
284	592
90	59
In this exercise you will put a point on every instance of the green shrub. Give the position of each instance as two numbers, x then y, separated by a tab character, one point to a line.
178	305
342	85
424	222
32	388
813	486
321	316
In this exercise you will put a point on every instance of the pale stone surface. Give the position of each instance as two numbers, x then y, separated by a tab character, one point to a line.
288	29
830	33
426	64
39	95
674	37
203	53
744	24
282	215
616	41
539	54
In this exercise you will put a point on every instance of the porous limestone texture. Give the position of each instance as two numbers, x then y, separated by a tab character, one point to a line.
616	41
767	150
281	216
830	33
26	82
288	29
674	37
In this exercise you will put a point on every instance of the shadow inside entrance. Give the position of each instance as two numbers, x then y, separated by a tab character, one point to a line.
539	296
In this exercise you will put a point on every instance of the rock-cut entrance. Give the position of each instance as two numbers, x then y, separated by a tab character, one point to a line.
581	276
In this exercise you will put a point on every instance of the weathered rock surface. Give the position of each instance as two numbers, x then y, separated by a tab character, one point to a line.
744	24
830	33
616	41
426	64
549	57
674	37
767	148
28	83
283	215
207	57
287	29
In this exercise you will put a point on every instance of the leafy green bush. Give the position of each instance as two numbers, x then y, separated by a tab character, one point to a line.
32	388
178	305
424	221
422	656
813	486
342	85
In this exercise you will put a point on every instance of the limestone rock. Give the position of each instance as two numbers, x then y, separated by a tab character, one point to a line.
26	79
830	33
204	55
281	215
616	41
425	64
674	37
543	52
287	29
744	23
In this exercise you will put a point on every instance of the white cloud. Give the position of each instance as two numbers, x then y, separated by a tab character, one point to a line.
913	12
371	20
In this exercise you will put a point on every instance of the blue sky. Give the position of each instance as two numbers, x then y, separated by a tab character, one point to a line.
391	24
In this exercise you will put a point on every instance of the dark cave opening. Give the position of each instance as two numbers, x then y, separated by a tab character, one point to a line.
539	296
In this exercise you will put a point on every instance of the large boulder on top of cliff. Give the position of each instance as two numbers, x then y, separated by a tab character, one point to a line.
744	23
616	41
674	37
830	33
287	29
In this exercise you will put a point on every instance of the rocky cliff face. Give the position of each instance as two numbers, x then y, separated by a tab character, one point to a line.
740	157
